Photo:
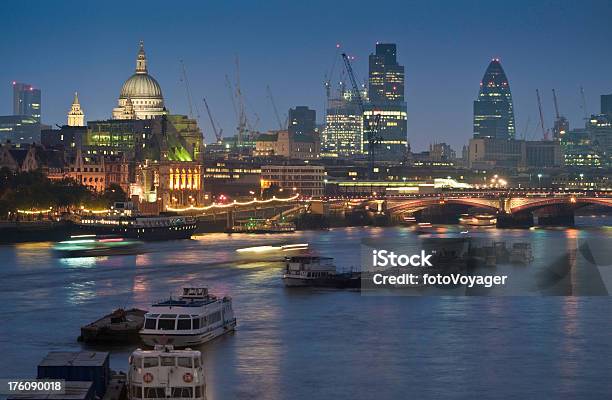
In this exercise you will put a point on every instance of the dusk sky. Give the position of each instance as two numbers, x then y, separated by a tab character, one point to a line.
445	47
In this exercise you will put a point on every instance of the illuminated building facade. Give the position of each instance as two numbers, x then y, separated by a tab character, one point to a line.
307	180
386	102
26	100
343	133
164	184
76	117
288	145
141	96
493	109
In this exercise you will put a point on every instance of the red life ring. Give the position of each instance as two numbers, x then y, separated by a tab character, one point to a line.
148	377
188	378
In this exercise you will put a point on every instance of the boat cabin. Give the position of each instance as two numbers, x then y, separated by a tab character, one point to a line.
166	373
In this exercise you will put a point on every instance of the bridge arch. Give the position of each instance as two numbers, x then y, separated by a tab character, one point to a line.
412	205
519	205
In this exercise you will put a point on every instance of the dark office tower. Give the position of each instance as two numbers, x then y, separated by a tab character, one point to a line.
386	107
26	100
386	78
493	109
302	121
606	104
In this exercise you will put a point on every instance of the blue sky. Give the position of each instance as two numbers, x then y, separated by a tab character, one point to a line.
445	47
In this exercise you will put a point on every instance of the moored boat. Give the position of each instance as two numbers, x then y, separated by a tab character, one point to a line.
194	318
166	373
141	228
120	326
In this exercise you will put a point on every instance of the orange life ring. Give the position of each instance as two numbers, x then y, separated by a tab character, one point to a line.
148	377
188	377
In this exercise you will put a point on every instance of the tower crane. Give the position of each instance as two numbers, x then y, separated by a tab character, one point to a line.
278	120
188	90
544	130
556	105
374	126
218	133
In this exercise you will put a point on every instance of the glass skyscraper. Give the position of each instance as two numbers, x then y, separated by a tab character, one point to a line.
26	100
386	103
493	109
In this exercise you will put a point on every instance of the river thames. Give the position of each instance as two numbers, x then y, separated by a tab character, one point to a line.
325	344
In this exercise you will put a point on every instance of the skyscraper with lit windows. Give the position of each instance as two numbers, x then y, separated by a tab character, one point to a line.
493	109
26	100
386	111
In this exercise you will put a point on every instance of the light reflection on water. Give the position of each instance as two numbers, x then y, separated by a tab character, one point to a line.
310	344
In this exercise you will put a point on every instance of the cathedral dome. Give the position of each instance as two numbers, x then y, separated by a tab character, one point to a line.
141	86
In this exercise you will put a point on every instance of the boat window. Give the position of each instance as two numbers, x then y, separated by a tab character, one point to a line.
184	362
168	316
196	323
184	392
137	392
166	324
150	362
150	323
154	392
184	324
167	361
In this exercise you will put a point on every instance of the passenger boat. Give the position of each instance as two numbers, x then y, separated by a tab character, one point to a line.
166	373
141	228
93	246
194	318
478	220
521	253
315	271
120	326
262	226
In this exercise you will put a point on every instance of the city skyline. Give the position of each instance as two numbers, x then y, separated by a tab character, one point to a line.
295	63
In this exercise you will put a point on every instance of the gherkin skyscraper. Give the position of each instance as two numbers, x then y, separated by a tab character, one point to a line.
493	109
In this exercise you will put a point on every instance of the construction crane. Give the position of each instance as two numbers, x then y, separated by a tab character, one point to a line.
373	125
544	130
188	90
556	104
278	120
218	133
329	77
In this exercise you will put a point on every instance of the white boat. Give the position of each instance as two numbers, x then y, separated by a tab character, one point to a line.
195	318
165	373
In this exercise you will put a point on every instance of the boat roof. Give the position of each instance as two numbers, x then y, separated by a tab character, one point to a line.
74	358
307	258
186	303
161	350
